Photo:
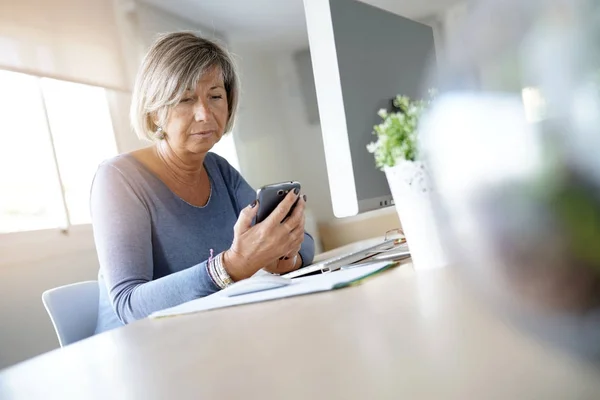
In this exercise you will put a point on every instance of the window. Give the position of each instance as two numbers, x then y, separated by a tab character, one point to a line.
54	134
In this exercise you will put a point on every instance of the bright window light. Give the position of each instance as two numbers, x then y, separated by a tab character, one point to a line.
30	196
81	126
52	132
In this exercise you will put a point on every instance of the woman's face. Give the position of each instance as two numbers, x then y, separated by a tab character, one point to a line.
198	121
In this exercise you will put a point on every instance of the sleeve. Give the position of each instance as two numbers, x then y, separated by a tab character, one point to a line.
122	233
245	194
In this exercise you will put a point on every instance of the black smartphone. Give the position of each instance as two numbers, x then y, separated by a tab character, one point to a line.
270	196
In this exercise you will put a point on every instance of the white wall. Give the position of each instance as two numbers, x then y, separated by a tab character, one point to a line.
274	140
31	263
445	24
452	20
307	141
260	134
152	21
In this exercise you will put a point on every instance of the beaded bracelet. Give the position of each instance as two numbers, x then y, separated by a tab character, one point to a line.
217	271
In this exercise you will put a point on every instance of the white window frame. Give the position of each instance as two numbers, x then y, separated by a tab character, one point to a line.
27	237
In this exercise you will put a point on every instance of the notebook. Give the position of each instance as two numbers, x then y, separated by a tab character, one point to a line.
299	286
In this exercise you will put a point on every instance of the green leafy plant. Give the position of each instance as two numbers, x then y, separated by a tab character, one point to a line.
397	134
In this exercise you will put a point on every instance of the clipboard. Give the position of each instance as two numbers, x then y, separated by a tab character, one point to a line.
365	255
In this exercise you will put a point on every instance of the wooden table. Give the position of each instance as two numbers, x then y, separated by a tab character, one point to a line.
400	335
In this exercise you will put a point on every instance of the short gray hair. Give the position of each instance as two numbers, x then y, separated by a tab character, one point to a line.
176	62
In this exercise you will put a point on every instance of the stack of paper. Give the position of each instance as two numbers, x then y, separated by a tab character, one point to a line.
299	286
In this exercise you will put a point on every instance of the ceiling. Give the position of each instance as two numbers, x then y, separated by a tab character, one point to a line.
276	23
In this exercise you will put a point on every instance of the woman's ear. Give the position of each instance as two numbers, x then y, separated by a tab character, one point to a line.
154	118
160	117
157	130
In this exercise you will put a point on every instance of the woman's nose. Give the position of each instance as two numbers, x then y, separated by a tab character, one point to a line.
201	112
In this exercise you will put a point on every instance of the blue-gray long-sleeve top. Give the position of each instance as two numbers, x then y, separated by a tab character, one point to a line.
152	245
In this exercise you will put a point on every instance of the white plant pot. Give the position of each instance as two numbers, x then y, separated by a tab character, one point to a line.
410	187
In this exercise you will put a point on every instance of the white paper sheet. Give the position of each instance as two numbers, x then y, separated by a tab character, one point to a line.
299	286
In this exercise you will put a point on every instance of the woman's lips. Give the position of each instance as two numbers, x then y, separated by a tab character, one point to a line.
203	133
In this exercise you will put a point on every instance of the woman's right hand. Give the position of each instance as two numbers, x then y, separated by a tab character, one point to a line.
262	244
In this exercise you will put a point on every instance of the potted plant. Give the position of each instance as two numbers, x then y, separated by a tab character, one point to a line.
396	152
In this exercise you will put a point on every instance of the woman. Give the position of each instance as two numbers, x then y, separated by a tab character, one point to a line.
173	222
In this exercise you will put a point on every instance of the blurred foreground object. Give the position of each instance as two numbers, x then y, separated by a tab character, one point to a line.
513	144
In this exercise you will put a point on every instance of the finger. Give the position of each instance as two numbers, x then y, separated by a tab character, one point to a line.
298	238
244	221
297	217
294	242
301	199
300	225
283	208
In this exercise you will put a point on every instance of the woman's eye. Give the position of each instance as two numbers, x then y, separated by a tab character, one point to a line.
216	97
186	100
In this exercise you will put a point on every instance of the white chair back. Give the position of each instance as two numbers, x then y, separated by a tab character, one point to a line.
73	310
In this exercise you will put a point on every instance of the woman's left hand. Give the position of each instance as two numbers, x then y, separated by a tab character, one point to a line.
292	260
